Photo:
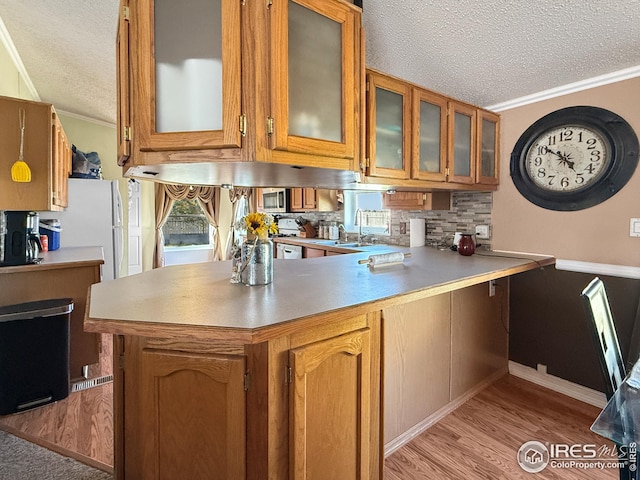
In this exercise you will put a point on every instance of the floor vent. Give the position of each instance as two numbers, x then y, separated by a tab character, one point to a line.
93	382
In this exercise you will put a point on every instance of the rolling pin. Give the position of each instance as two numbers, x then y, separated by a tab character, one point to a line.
385	259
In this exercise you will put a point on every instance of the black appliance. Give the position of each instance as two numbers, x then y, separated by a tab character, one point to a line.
21	238
34	354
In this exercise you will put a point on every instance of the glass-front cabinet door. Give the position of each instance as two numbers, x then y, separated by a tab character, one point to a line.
487	172
388	126
315	79
188	69
429	120
462	143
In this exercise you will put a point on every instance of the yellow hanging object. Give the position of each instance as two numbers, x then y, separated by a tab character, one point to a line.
20	171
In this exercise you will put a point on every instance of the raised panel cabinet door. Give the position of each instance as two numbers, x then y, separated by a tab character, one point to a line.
309	198
488	148
429	149
315	79
388	126
462	143
329	416
187	74
297	202
193	416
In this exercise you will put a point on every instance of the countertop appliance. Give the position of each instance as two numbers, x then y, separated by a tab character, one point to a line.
275	200
93	218
21	238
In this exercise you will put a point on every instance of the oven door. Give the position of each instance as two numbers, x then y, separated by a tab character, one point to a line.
275	200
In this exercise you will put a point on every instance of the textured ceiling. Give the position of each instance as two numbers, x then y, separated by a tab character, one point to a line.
485	52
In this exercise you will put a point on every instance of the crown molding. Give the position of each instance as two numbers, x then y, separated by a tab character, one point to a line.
6	40
587	84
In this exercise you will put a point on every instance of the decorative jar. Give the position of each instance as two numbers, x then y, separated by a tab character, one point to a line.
257	261
466	245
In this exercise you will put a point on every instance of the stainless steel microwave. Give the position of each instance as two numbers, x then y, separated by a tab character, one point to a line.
275	200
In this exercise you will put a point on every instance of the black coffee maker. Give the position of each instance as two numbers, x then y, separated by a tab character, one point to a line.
21	238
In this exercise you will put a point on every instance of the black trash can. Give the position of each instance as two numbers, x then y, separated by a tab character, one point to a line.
34	354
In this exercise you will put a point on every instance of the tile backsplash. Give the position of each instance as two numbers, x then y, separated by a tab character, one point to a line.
468	209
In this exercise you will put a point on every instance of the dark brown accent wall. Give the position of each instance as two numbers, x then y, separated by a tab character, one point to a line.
548	324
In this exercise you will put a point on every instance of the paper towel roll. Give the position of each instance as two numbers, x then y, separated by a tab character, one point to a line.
416	232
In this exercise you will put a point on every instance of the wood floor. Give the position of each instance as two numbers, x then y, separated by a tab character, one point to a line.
480	440
80	426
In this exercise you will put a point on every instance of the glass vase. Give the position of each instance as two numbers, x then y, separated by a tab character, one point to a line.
257	262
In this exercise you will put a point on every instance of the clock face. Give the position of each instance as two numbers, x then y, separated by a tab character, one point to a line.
567	159
574	158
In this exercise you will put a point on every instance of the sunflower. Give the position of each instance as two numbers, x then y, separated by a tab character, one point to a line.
260	225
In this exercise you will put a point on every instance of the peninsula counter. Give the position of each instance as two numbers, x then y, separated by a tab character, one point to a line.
284	381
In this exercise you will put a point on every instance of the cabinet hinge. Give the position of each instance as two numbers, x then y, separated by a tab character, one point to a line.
367	163
126	134
126	12
247	381
424	197
121	361
446	171
367	85
243	125
288	375
269	126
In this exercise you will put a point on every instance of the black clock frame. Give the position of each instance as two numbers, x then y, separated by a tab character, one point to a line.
621	141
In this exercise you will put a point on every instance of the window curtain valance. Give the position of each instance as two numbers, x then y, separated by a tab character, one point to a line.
208	198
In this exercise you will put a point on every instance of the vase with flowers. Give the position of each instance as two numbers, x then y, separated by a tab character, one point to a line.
256	265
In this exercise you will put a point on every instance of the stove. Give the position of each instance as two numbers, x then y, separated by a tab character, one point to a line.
287	227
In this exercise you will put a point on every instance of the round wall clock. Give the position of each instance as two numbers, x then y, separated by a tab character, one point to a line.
574	158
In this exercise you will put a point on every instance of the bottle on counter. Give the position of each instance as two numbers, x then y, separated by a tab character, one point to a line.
334	233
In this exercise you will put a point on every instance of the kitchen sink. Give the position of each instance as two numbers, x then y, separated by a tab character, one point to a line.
339	243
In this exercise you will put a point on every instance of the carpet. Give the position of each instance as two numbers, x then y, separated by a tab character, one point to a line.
22	460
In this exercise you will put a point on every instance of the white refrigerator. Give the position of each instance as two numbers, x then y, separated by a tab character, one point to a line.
93	218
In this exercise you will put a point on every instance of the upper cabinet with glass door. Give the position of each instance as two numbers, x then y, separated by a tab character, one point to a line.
221	80
316	81
186	74
488	148
388	126
419	139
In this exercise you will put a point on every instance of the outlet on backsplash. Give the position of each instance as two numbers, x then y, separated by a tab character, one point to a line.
403	228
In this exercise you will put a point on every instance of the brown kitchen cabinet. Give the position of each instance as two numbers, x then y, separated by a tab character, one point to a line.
421	139
417	201
462	337
47	152
329	408
309	252
312	199
220	91
195	406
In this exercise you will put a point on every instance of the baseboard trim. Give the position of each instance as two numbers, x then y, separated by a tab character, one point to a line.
557	384
434	418
58	449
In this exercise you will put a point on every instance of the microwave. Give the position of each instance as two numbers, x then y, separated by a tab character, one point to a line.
275	200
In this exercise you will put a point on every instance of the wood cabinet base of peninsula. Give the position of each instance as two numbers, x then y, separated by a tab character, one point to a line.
302	405
442	350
